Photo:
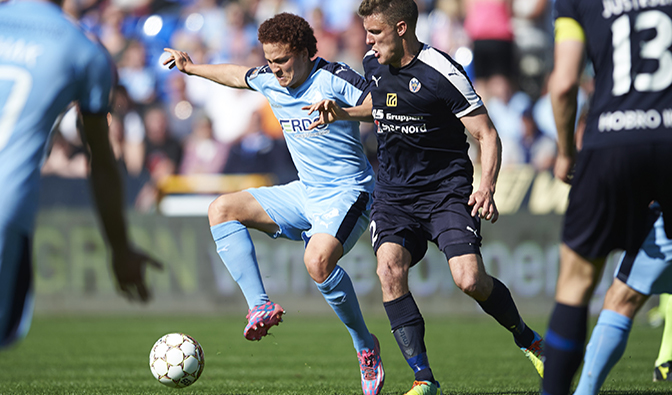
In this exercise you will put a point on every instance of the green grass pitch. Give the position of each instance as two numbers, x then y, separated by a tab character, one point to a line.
304	355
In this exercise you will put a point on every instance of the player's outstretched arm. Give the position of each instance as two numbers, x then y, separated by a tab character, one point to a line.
231	75
128	265
479	124
563	86
330	112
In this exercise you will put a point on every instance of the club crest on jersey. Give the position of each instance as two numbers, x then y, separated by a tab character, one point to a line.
255	73
414	85
391	100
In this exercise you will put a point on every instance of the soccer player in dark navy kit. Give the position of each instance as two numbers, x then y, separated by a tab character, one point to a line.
626	158
422	102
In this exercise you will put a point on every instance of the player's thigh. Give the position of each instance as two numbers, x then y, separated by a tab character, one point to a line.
394	223
454	230
650	270
577	277
284	205
609	199
16	289
341	213
242	207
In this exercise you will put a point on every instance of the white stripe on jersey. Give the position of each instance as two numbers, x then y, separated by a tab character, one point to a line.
440	63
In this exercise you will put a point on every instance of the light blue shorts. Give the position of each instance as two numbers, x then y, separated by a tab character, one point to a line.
650	271
301	212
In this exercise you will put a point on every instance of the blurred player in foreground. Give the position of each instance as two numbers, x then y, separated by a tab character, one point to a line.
328	208
46	62
637	277
422	102
624	163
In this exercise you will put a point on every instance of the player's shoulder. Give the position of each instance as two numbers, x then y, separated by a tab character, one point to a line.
436	59
339	70
440	64
259	72
44	23
580	10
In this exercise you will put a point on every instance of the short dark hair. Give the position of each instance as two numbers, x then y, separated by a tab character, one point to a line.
392	11
286	28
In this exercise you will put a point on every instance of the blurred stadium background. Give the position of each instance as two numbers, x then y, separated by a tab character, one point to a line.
182	140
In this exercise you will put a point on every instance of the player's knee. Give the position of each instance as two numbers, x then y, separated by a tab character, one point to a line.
318	267
389	274
471	285
221	210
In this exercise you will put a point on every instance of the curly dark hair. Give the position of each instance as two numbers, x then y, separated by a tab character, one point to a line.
289	29
392	11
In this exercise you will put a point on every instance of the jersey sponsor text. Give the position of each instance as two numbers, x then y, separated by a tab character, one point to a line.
634	119
617	7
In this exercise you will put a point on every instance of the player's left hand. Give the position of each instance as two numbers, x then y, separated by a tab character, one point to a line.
483	203
329	111
129	270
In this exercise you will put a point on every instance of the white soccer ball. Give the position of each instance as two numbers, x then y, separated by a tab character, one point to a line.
176	360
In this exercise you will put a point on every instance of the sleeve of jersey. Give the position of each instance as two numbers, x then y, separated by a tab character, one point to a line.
567	25
350	85
98	80
251	78
458	93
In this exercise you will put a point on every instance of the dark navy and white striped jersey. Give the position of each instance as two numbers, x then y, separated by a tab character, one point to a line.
422	145
630	45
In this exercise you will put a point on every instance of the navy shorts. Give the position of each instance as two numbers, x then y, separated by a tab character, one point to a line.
16	284
412	220
610	196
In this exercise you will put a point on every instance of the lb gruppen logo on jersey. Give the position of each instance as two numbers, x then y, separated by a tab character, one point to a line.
391	100
414	85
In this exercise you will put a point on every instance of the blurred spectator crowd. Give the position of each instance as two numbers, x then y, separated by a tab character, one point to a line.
163	122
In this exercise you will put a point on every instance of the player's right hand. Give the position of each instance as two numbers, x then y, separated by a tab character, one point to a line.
177	58
564	168
329	111
129	267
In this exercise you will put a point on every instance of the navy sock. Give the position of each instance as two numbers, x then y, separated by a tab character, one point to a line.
500	306
565	339
408	328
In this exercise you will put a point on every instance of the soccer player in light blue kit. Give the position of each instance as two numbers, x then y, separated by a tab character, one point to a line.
46	62
328	208
638	276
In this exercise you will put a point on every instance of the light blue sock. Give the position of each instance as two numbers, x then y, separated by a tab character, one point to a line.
235	247
605	348
338	291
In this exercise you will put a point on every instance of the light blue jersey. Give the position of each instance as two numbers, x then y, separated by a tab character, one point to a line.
46	62
331	155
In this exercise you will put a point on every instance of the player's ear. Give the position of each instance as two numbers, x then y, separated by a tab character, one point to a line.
402	27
